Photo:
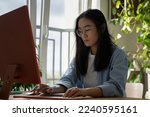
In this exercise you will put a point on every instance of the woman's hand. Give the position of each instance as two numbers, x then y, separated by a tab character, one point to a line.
74	92
42	89
93	92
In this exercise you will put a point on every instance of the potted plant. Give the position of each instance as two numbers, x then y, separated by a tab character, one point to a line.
135	16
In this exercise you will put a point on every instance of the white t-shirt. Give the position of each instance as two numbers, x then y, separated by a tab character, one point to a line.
91	77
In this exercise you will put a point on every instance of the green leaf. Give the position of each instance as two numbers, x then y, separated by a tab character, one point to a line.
137	29
114	1
137	79
129	13
147	42
139	17
146	4
118	4
139	8
114	11
114	21
120	21
147	20
128	28
139	39
148	54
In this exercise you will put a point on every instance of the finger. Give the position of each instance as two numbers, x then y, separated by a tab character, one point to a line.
40	88
66	93
71	92
35	90
76	94
43	88
49	90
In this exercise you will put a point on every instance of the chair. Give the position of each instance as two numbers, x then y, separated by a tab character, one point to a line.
134	90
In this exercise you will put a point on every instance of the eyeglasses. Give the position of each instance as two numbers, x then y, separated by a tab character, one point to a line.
84	30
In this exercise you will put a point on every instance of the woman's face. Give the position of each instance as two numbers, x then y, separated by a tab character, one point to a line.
88	32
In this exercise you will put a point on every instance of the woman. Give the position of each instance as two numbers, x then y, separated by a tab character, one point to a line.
99	67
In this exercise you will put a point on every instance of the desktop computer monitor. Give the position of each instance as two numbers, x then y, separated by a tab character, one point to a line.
18	60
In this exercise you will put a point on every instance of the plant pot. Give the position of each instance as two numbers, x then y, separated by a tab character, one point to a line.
134	90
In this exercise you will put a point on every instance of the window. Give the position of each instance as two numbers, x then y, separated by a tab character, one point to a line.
61	37
7	6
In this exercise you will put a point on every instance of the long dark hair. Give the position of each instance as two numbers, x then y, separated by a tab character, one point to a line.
104	46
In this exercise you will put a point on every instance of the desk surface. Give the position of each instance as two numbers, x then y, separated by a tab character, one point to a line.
59	96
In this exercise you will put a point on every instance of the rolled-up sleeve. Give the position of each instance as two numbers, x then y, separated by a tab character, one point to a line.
117	76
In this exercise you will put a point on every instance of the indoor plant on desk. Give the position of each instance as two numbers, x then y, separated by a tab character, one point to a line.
135	16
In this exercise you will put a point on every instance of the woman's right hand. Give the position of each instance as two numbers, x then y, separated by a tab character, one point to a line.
42	89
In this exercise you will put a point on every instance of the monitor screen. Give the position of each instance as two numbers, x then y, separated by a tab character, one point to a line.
17	47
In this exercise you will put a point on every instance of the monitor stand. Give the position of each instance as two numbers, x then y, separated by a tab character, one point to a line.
7	81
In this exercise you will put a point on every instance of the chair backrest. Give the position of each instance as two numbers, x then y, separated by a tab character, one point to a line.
134	90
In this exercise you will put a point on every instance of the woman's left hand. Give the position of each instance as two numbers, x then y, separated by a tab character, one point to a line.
74	92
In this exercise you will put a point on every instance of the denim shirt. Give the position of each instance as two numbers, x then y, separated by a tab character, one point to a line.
112	80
